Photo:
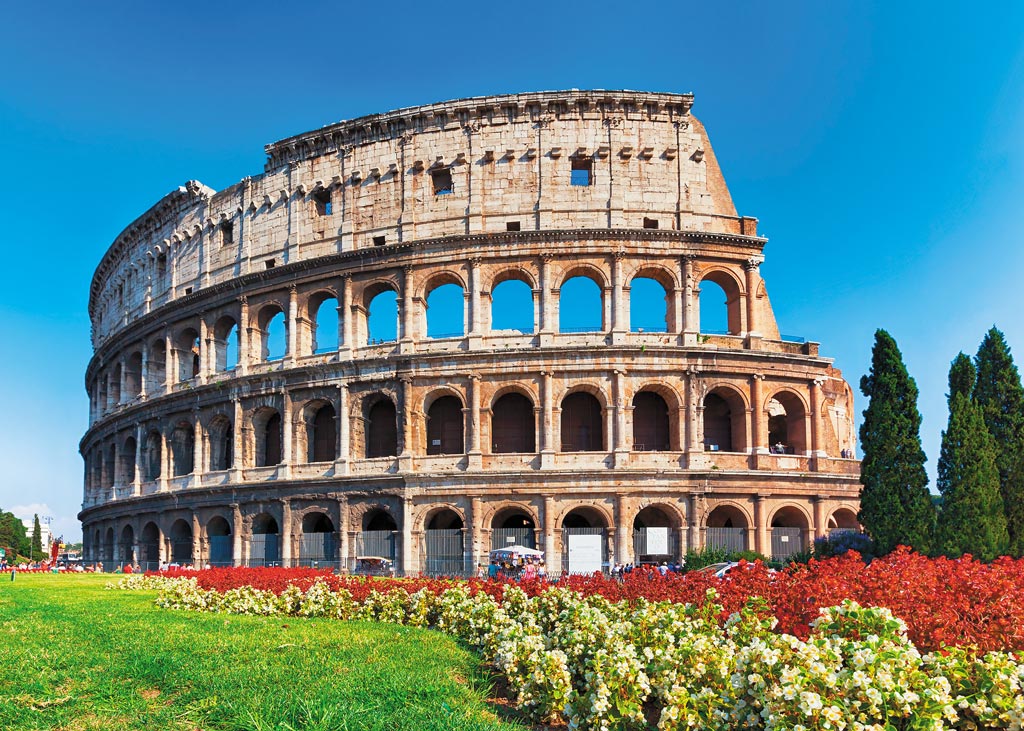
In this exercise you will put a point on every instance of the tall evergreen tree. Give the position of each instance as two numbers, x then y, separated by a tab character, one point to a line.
999	393
972	518
895	506
37	538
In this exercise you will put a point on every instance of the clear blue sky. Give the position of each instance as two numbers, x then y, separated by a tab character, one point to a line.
881	145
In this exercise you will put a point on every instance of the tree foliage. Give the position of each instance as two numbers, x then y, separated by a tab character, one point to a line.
36	550
13	535
972	518
999	394
895	505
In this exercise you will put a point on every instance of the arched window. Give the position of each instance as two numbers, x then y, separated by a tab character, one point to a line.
181	543
786	425
445	312
580	307
225	336
322	435
187	352
512	306
270	454
382	318
582	423
156	367
444	544
444	426
720	427
115	384
182	449
382	430
218	532
650	423
726	529
325	326
720	305
648	306
133	375
274	333
126	470
318	542
150	546
221	444
154	455
513	427
109	464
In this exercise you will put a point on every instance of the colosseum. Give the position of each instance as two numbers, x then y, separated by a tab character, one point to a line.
272	382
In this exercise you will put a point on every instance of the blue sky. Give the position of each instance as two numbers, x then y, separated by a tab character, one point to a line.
881	145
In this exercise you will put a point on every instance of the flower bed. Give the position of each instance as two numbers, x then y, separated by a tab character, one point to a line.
605	664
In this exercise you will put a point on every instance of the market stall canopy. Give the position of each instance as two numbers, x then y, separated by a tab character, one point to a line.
517	551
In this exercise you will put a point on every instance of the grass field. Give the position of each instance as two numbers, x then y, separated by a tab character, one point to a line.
74	656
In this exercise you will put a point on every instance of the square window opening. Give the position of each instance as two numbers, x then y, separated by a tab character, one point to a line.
442	180
512	225
322	202
188	290
650	222
379	240
582	171
227	233
270	263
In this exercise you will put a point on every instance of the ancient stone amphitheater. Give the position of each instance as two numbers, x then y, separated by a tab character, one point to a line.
272	383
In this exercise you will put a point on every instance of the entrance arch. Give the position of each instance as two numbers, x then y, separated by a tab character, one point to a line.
513	526
727	529
127	552
584	541
318	542
149	546
656	535
218	533
378	535
264	543
789	527
181	543
444	552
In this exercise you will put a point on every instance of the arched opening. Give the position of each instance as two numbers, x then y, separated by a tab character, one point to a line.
443	544
126	554
444	426
115	384
648	306
787	433
273	332
726	529
182	449
108	545
656	536
322	435
724	422
513	425
109	465
378	536
126	466
513	527
186	350
789	525
133	375
222	439
225	339
149	546
382	318
382	429
580	306
582	423
720	305
318	540
218	533
181	543
324	318
267	426
446	311
651	428
156	367
843	520
512	306
154	455
584	541
264	543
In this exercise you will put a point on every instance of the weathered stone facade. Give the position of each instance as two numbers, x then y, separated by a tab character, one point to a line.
323	456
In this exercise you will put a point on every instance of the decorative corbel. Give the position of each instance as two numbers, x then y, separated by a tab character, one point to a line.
626	152
671	153
698	155
646	153
556	152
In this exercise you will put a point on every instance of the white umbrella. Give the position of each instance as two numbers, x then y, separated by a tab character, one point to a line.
518	551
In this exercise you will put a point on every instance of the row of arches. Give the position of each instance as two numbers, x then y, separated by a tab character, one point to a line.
199	350
512	418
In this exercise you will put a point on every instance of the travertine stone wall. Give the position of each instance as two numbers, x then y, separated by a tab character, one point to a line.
758	430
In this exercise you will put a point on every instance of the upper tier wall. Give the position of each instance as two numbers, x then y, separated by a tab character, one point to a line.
372	182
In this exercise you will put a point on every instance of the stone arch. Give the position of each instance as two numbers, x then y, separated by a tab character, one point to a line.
645	313
843	518
791	514
154	455
385	311
787	420
512	523
156	366
225	343
725	419
318	437
440	278
126	547
126	465
444	541
727	526
790	526
598	516
656	533
319	543
380	416
187	350
181	542
264	540
322	324
513	420
732	287
655	418
271	319
513	273
724	511
268	436
442	516
108	544
583	269
133	375
220	541
150	540
182	443
582	419
577	299
445	423
378	516
220	439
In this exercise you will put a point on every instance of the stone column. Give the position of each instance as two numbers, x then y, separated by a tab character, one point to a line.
144	376
696	515
286	532
293	326
170	364
345	319
758	422
815	416
197	542
236	534
205	351
691	310
244	334
623	532
344	547
237	441
752	280
818	529
547	442
406	416
341	466
473	427
620	321
694	413
122	389
548	324
475	329
197	451
550	558
408	333
476	550
762	536
140	434
286	434
407	538
621	437
165	461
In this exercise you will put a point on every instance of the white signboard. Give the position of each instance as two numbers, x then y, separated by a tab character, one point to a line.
657	541
585	553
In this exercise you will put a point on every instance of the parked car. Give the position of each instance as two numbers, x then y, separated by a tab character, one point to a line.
374	566
722	570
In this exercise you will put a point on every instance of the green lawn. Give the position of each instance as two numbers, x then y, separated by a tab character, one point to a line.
74	656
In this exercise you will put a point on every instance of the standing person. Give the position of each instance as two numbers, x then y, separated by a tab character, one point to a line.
542	571
492	570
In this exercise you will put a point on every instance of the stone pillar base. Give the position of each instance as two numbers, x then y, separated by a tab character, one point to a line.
474	461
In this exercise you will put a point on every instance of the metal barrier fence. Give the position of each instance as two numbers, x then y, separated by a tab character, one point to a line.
729	539
786	542
505	537
655	547
317	548
264	550
444	552
582	556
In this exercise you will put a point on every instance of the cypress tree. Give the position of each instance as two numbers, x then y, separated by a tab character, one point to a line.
895	506
972	519
37	538
999	393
